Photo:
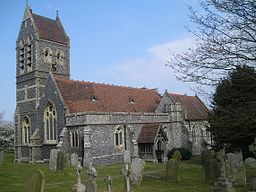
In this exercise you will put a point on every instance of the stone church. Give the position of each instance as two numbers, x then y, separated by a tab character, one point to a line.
97	121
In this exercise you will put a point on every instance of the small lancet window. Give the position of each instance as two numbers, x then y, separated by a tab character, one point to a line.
119	137
59	57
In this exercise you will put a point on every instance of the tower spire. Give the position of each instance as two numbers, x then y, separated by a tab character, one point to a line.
26	3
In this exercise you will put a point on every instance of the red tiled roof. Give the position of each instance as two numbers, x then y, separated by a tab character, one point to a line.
194	107
148	133
50	29
79	96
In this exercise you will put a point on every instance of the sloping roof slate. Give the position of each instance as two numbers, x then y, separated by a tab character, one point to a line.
50	29
86	96
148	133
193	106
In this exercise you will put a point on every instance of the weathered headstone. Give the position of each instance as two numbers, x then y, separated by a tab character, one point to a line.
73	159
177	156
205	156
236	168
212	170
108	181
1	155
91	184
173	170
137	169
250	162
60	161
53	160
223	184
36	182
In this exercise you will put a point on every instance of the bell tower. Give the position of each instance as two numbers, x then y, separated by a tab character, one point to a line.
42	46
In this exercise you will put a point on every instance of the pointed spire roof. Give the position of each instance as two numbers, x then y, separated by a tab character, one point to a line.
48	29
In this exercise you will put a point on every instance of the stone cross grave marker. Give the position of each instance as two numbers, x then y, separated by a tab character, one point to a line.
108	180
137	169
126	173
91	184
177	156
223	183
36	182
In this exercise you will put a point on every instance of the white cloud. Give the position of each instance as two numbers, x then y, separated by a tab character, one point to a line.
150	70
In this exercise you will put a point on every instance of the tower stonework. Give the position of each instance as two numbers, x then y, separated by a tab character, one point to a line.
42	47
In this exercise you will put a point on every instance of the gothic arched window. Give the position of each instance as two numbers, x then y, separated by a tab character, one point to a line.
21	56
119	136
48	55
29	54
59	57
50	124
26	130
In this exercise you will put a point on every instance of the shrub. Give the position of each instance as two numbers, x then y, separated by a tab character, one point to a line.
186	153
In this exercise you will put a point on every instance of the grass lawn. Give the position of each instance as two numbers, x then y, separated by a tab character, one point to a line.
13	178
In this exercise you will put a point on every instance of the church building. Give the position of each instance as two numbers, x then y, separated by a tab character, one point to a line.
97	121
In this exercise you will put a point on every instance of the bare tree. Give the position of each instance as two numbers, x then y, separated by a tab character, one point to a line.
224	38
6	132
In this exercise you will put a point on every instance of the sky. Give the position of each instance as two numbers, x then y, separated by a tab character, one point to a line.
120	42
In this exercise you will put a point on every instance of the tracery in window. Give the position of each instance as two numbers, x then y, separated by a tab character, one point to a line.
26	130
119	137
59	57
50	124
48	55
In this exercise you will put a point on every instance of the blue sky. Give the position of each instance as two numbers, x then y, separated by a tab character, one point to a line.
121	42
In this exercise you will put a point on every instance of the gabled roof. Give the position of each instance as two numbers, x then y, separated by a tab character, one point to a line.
50	29
149	133
192	105
86	96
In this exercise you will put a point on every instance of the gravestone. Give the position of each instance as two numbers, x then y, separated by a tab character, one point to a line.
236	168
56	162
91	184
205	156
173	170
126	173
73	159
53	160
250	162
1	156
60	160
36	182
222	184
108	180
177	156
211	170
137	169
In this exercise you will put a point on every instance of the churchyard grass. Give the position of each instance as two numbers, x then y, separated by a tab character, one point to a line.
13	177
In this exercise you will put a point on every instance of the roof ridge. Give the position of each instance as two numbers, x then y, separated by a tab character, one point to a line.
43	17
102	84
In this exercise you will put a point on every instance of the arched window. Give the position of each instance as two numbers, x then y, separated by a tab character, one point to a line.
26	130
50	124
119	137
48	55
74	139
59	57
